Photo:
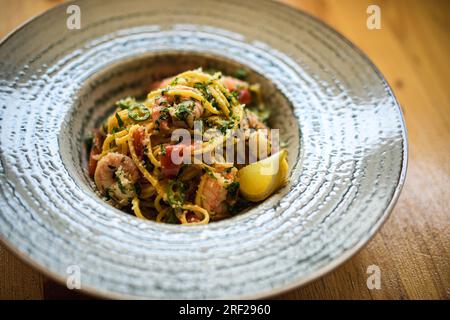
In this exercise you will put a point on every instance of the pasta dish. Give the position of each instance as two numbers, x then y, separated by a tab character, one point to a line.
193	151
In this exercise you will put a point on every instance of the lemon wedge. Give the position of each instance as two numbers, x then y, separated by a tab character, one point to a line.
259	180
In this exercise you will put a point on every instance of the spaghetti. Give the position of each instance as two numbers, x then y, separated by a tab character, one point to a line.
131	157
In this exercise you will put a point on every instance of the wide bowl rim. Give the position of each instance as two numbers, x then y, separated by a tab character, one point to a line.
345	256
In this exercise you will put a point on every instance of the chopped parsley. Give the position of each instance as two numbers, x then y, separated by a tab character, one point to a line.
171	217
202	87
163	149
184	109
121	186
209	172
176	193
164	115
240	205
115	130
232	188
119	120
125	103
148	164
225	125
109	194
241	74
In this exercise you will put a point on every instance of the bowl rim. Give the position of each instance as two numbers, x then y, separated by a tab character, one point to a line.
320	272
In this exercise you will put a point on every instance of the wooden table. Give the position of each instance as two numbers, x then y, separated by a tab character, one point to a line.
412	249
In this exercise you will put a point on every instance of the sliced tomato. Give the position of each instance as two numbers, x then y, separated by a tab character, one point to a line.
233	84
240	87
244	96
168	168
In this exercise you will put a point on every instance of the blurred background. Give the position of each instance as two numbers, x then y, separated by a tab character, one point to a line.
412	249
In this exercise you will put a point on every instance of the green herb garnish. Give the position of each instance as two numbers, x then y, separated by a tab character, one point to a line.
125	103
148	164
176	193
241	74
163	149
119	120
240	205
171	217
115	130
232	188
108	192
225	125
204	90
184	109
209	172
164	115
121	186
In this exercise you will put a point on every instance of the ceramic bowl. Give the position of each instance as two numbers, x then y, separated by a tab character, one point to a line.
345	132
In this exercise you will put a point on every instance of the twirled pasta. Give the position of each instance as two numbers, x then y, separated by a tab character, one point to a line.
139	133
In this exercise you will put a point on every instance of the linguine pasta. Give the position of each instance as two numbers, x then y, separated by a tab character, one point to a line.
132	154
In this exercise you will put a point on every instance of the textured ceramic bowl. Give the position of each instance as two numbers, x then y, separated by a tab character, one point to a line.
347	147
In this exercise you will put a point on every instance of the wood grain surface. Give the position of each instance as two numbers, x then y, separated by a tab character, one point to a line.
412	249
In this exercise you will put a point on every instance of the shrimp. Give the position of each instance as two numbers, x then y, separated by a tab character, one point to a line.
256	138
251	121
139	142
186	112
115	177
167	82
96	150
161	83
215	195
160	113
